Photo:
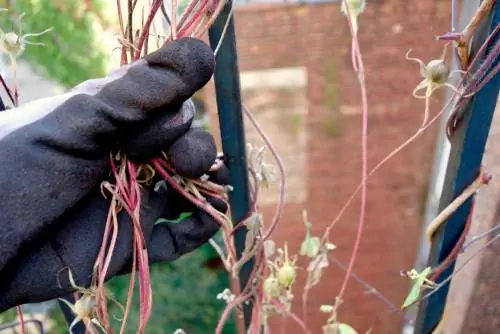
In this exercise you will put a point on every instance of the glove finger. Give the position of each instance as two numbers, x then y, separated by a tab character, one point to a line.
193	154
221	176
171	240
158	136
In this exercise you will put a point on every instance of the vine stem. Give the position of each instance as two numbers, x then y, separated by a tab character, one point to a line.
21	318
359	66
419	131
279	162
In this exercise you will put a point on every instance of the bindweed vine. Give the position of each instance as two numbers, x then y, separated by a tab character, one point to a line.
272	285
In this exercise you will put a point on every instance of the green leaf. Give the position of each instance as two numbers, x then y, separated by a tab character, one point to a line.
415	290
179	219
346	329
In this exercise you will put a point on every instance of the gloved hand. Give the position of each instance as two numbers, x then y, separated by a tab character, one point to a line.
54	155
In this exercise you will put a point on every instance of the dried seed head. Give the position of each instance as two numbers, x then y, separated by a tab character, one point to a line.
11	44
269	248
286	275
15	43
271	288
355	7
437	71
84	307
226	295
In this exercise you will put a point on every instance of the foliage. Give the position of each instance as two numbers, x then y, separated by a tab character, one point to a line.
70	54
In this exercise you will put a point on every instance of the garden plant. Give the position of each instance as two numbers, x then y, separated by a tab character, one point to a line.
272	285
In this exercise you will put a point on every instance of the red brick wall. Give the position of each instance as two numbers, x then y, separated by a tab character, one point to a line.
316	36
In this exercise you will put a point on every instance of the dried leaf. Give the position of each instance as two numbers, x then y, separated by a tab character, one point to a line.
315	269
269	248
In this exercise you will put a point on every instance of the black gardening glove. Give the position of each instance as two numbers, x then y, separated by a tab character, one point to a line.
54	156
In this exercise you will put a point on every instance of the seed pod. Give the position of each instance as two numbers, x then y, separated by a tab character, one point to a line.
10	43
286	275
437	71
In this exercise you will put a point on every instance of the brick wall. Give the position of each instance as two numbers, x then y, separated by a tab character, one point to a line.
316	37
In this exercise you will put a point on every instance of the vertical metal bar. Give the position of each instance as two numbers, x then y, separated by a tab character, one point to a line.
467	148
228	94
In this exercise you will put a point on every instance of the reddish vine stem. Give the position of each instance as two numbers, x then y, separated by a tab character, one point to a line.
188	11
453	120
227	311
419	131
145	30
189	26
358	66
21	318
159	164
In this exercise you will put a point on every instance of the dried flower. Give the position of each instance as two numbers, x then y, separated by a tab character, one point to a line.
226	295
264	172
13	43
269	248
352	9
84	308
179	331
326	308
435	75
317	265
271	287
253	224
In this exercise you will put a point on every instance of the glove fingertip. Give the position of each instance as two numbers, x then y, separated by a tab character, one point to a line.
221	176
193	154
190	57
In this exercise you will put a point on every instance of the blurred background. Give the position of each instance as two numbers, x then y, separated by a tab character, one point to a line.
297	79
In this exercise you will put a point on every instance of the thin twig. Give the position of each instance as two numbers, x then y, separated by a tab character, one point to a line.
456	203
480	236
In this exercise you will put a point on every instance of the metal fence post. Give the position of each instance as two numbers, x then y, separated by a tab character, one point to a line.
467	148
227	85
